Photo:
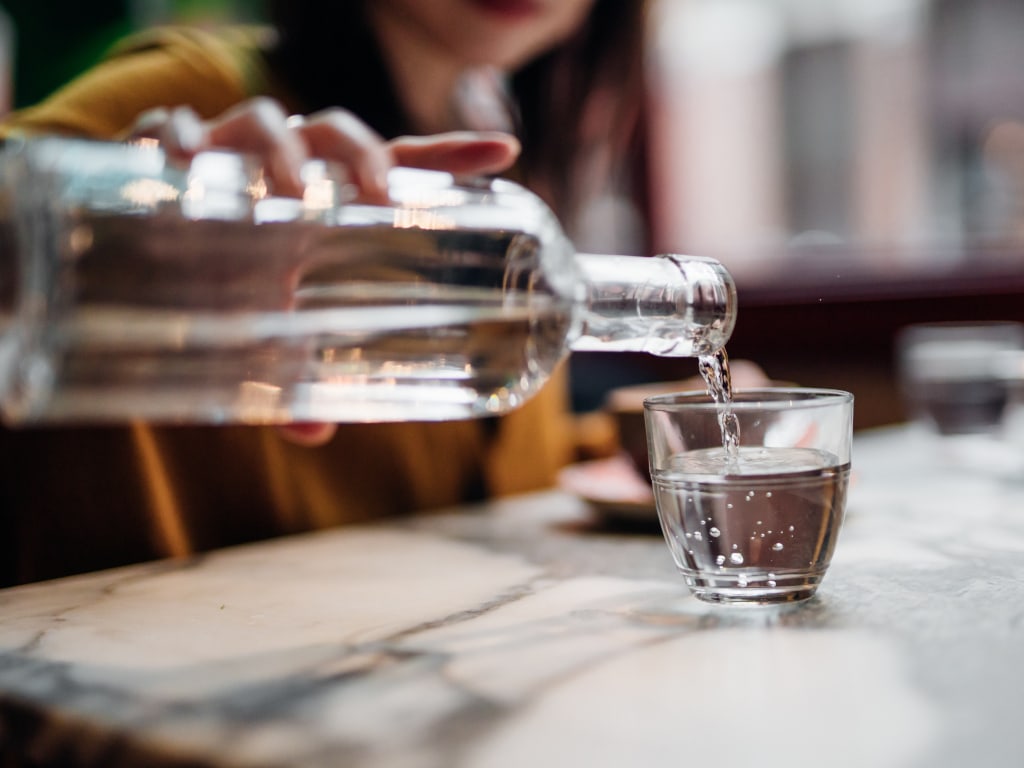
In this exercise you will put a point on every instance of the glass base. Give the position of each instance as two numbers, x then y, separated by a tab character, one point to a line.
757	587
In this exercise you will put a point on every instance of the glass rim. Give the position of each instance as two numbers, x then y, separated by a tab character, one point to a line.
751	399
962	325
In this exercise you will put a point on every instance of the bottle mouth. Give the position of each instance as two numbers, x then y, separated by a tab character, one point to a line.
669	306
709	291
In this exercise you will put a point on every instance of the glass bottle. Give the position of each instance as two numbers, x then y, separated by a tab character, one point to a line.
132	288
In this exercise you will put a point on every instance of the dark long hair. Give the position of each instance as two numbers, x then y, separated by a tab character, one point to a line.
578	104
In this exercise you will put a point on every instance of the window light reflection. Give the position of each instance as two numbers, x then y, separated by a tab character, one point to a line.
319	195
148	193
258	401
196	190
414	218
257	188
436	198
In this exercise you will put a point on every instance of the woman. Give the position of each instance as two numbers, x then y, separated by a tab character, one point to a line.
365	77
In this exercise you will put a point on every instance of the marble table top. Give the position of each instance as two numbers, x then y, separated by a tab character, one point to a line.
528	632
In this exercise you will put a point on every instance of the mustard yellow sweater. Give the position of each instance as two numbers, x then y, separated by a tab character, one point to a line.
76	499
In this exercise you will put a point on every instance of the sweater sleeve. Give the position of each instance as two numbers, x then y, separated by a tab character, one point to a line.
159	68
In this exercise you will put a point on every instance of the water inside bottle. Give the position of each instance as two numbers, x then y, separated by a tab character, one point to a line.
365	323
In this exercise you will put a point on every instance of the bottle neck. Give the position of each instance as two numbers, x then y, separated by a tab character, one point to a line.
668	305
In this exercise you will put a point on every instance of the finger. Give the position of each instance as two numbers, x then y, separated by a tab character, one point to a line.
260	127
310	434
179	130
338	135
460	152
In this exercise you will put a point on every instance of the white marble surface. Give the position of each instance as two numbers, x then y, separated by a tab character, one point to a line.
526	633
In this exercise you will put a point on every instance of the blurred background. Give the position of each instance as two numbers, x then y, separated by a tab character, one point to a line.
47	43
857	164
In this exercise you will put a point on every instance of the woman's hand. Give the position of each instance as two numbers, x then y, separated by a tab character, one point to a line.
261	128
283	144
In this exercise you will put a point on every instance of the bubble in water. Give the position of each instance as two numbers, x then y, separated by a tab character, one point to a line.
772	583
715	532
792	528
735	546
720	560
768	494
736	558
697	536
777	546
689	535
742	580
728	506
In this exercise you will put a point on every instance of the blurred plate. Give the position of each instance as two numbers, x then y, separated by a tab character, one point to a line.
612	487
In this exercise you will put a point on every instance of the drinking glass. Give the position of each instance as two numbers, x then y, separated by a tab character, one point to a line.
751	494
957	378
